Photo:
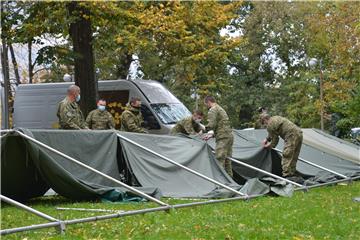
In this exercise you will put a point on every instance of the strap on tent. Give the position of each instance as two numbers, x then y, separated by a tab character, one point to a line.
181	166
317	166
135	191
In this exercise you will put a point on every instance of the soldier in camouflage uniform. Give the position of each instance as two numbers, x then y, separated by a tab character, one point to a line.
100	119
69	113
190	125
219	126
131	119
291	134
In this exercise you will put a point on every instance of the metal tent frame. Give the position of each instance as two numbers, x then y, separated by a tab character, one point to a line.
61	224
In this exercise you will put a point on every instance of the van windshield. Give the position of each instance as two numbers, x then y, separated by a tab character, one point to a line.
170	113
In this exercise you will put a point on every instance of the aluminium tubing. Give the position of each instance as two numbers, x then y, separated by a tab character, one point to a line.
144	195
182	166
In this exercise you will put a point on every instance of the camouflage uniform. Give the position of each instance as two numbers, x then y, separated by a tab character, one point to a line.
292	135
218	121
186	126
70	115
100	120
132	121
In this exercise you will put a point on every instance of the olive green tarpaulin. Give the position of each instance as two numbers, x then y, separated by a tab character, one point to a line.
28	170
318	147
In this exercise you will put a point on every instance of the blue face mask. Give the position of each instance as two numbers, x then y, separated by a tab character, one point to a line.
78	98
101	108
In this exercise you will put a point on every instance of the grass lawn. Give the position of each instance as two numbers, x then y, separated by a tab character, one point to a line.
322	213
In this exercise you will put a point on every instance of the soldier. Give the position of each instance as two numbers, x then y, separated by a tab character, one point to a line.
69	113
190	125
292	136
100	119
131	119
219	126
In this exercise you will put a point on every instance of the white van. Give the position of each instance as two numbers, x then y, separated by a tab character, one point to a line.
35	105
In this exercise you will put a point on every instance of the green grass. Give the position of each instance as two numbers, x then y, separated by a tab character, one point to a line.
323	213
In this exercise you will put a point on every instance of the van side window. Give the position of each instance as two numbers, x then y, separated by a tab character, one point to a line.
115	103
150	121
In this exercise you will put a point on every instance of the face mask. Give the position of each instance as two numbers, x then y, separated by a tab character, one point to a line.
198	120
77	98
101	108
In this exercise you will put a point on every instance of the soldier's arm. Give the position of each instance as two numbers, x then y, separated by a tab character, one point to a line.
211	120
189	129
89	120
111	121
274	140
132	126
68	118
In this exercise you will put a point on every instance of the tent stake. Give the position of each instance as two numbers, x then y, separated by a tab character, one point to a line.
135	191
265	172
181	166
318	166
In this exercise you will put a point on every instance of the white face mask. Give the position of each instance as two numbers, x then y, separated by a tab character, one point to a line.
101	108
197	120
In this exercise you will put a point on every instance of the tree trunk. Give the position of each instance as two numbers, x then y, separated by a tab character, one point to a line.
5	68
81	35
30	65
15	65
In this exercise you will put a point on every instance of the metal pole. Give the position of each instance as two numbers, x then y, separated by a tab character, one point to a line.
88	209
330	183
321	98
317	166
181	166
124	214
265	172
94	170
29	209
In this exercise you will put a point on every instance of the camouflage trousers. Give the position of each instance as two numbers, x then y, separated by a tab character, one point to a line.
291	153
223	150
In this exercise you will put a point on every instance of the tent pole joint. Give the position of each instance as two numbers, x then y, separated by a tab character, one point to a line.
61	227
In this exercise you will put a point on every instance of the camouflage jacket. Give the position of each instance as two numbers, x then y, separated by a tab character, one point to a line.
100	120
280	126
70	115
132	121
186	126
218	121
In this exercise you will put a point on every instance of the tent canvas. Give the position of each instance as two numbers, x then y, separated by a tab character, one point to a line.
317	147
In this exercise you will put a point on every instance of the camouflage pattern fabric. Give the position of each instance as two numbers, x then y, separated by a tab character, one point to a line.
132	121
70	115
100	120
186	126
223	150
218	121
292	136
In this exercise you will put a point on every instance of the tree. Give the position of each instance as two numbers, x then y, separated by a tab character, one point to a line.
81	35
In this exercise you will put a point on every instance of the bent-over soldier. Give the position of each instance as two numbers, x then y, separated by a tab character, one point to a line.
291	134
190	125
